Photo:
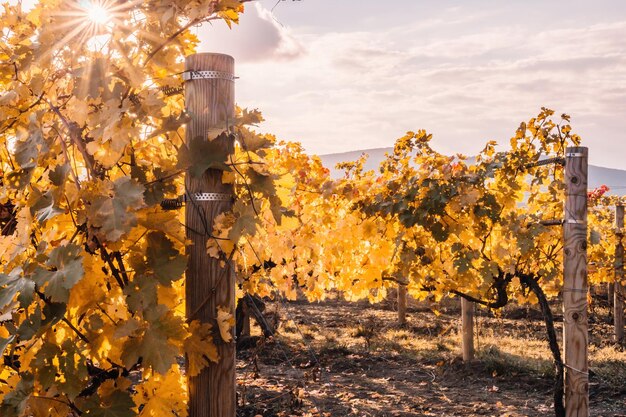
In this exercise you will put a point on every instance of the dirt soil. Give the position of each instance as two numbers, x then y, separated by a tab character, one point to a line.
350	359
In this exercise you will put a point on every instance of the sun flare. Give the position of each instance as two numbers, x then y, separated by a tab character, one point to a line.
98	14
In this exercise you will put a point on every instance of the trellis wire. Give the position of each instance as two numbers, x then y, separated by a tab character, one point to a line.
556	160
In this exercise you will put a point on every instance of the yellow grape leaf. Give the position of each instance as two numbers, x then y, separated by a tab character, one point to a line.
162	396
289	223
285	186
228	246
221	243
199	347
111	400
214	132
225	321
228	177
77	110
38	408
228	4
213	249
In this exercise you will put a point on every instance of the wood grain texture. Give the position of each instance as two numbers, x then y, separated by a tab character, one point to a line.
401	304
618	293
467	329
209	101
245	329
575	287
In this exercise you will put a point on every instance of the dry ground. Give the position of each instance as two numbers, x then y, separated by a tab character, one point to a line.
371	367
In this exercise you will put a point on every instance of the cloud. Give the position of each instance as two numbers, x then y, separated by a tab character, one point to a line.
469	82
258	37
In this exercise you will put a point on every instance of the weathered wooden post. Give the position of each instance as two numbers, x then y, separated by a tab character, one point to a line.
575	337
245	328
209	101
401	304
618	293
467	329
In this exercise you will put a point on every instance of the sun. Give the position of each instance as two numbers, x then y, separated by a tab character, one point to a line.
98	14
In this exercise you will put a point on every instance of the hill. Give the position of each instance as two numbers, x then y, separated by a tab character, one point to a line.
615	179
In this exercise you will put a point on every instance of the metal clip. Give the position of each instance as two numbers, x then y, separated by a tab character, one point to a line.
204	75
574	155
211	197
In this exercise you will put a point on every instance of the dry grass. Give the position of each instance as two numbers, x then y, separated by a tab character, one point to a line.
358	340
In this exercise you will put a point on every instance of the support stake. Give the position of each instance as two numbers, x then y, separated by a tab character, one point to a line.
467	329
618	293
209	102
575	327
401	304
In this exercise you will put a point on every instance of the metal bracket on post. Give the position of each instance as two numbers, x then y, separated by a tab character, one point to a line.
210	197
204	75
176	203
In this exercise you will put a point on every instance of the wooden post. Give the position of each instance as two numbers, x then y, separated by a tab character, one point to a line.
401	304
467	329
575	337
610	290
618	293
245	328
210	99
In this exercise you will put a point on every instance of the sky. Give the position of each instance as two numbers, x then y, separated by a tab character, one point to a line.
341	75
